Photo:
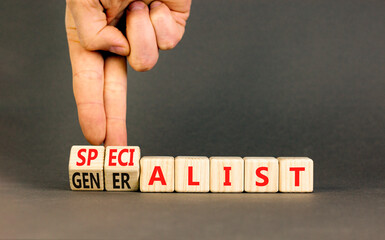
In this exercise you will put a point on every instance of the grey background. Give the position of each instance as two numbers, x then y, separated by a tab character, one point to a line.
250	78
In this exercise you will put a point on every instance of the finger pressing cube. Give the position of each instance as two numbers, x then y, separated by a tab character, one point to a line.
121	168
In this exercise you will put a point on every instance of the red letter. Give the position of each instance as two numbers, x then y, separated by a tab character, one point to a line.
263	177
190	177
90	157
297	170
227	176
131	157
153	178
120	157
81	157
112	157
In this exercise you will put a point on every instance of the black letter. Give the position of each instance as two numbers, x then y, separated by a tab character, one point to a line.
115	180
77	184
85	180
96	180
124	178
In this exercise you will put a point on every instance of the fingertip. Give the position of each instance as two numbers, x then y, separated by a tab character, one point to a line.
108	39
95	136
92	121
118	42
143	63
168	43
95	140
120	50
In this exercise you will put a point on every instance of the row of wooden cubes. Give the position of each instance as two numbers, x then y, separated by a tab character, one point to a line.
122	169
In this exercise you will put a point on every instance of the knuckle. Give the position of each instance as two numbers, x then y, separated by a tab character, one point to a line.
88	75
115	87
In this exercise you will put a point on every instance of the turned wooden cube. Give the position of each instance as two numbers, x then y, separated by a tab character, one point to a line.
121	168
226	174
86	168
261	174
295	174
157	174
192	174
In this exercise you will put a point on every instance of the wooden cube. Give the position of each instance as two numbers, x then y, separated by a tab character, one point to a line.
295	174
86	168
261	174
121	168
157	174
226	174
192	174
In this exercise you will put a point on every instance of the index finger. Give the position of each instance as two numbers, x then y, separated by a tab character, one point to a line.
88	80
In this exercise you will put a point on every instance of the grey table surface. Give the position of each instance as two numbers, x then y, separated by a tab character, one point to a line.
250	78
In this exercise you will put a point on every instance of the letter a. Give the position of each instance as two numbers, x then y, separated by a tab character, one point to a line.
157	169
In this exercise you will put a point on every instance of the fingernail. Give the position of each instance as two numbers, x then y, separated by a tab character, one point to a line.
155	4
118	50
136	6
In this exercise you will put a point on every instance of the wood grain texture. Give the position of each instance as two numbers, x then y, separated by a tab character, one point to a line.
121	168
233	167
86	168
192	174
289	167
159	168
261	174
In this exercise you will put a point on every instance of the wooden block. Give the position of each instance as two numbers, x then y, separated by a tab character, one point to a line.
261	174
121	168
295	174
86	168
157	174
192	174
226	174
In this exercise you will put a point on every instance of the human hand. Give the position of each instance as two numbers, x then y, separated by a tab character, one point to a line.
100	80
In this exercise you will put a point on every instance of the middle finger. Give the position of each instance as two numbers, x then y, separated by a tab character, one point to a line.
141	36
